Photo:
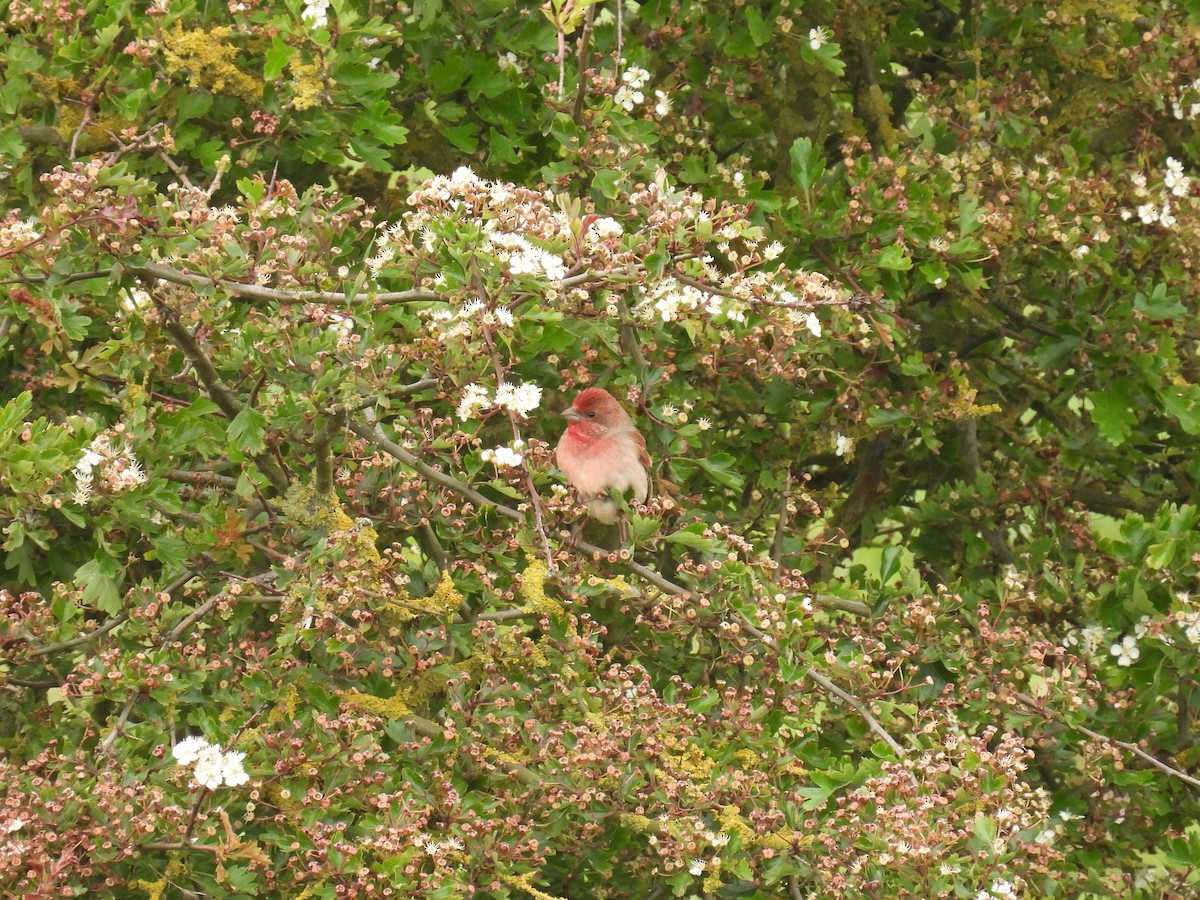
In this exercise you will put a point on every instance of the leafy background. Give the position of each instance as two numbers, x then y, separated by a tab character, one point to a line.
920	619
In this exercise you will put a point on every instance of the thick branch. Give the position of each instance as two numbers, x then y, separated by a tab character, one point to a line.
258	292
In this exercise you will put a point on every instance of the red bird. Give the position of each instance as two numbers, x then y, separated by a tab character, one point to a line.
600	451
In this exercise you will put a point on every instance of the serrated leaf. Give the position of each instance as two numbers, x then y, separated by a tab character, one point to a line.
760	29
893	257
99	585
690	537
15	412
1113	414
246	430
607	182
808	165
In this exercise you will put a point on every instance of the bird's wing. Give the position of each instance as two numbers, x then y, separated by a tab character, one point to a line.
643	454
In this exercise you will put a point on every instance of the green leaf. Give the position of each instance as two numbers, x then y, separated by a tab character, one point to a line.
1113	412
893	257
692	537
889	563
607	182
252	189
97	577
1159	305
760	29
246	430
14	413
719	468
278	55
808	164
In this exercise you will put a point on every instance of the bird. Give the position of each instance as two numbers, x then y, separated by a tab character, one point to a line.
602	451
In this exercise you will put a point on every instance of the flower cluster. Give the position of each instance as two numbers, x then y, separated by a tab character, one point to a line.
316	12
212	766
505	457
521	256
629	94
449	322
108	467
1187	104
1157	208
521	399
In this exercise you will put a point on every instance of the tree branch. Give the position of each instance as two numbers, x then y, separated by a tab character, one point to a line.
1124	745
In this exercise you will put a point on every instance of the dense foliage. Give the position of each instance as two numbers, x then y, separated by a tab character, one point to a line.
903	297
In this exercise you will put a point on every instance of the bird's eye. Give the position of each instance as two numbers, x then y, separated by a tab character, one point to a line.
591	414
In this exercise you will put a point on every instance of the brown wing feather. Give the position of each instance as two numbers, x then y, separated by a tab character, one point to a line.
643	454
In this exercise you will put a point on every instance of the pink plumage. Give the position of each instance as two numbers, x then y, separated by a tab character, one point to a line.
602	451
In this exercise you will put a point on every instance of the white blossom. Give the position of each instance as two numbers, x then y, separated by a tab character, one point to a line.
635	76
1174	180
520	398
316	12
232	769
212	767
662	104
818	37
474	398
209	764
813	324
1125	650
604	227
188	750
627	98
696	867
504	456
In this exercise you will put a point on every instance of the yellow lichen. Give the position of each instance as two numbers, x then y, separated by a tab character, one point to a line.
284	709
308	85
522	882
208	60
154	889
695	763
392	707
445	600
533	590
732	823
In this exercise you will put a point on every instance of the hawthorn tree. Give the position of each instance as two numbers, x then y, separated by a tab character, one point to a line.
902	296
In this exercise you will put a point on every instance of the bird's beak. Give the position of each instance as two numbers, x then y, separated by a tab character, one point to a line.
571	414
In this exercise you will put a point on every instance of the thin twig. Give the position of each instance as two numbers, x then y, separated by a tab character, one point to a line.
216	389
831	688
781	524
853	701
429	542
82	639
374	435
1124	745
585	38
321	450
501	377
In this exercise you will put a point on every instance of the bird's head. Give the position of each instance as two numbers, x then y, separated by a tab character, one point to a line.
594	412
